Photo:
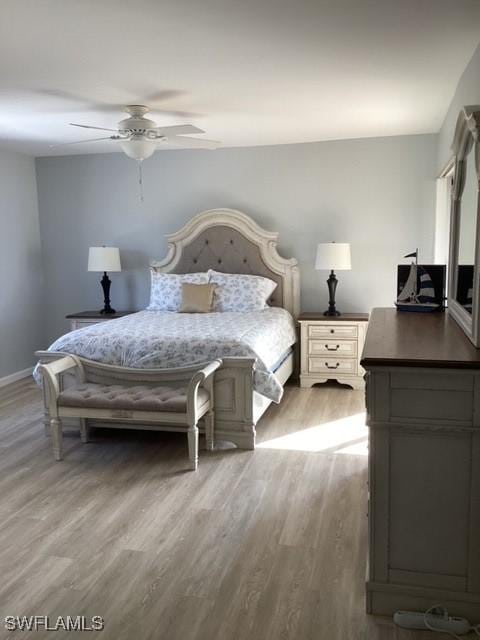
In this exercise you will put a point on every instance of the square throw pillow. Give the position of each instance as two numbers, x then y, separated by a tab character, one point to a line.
197	298
240	292
166	289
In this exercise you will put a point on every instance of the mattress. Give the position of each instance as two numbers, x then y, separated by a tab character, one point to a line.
156	339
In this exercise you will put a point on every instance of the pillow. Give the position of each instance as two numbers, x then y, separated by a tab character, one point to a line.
240	292
166	289
197	298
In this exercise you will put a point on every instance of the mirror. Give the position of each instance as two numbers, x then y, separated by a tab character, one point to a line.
464	263
467	227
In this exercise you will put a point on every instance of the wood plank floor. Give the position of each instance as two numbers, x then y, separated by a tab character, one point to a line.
263	545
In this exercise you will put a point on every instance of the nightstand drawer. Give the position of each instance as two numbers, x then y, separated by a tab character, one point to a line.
87	318
343	348
327	330
332	366
80	324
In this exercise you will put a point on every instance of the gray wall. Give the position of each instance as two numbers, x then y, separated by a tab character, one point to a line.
21	279
376	193
466	94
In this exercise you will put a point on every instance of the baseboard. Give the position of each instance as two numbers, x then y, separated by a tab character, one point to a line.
13	377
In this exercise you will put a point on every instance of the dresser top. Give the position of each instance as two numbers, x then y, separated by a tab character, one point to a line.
345	317
402	339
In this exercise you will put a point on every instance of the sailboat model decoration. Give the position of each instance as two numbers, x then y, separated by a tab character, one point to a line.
419	292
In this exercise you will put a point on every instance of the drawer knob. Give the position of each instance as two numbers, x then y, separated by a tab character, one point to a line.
333	348
332	367
332	330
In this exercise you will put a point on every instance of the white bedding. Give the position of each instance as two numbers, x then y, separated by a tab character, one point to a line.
156	339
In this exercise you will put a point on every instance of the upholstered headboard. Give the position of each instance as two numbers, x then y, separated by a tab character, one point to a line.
230	241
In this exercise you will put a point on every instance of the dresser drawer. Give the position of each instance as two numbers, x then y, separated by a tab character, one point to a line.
332	366
438	396
343	348
337	331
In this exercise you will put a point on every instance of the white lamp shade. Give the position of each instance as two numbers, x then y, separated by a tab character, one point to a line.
333	255
104	259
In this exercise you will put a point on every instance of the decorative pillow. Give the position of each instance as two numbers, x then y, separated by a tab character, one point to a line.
240	292
166	289
197	298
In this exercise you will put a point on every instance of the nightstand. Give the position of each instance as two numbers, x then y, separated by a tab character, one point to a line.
86	318
331	347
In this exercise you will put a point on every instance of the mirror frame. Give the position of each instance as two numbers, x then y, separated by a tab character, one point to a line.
467	128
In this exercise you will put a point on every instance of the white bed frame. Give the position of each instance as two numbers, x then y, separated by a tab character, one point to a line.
230	241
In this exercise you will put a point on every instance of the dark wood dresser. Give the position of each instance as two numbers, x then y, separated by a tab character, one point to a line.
423	410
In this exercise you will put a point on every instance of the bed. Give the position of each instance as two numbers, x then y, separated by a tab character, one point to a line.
257	348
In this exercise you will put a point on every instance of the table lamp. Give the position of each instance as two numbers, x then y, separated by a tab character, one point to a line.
104	259
333	256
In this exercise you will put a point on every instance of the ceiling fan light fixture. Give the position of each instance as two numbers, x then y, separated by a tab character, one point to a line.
138	147
139	136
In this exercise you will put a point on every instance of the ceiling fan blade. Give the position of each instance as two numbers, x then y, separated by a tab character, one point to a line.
87	126
162	94
192	143
65	144
177	129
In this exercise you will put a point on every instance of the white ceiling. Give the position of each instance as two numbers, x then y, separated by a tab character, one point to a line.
248	72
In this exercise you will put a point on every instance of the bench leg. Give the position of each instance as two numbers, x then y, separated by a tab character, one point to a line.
46	414
46	423
193	447
57	438
209	430
84	430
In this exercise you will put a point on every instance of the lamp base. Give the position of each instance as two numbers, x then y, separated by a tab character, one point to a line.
332	286
106	282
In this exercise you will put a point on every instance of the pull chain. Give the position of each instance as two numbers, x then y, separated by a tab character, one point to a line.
140	180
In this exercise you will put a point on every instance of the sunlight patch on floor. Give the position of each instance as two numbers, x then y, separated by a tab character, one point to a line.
347	436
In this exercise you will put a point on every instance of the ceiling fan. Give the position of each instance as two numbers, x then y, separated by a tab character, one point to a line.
138	136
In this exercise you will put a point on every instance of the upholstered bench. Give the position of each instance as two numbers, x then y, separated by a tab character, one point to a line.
164	399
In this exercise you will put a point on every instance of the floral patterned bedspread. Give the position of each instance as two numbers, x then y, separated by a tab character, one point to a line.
151	339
